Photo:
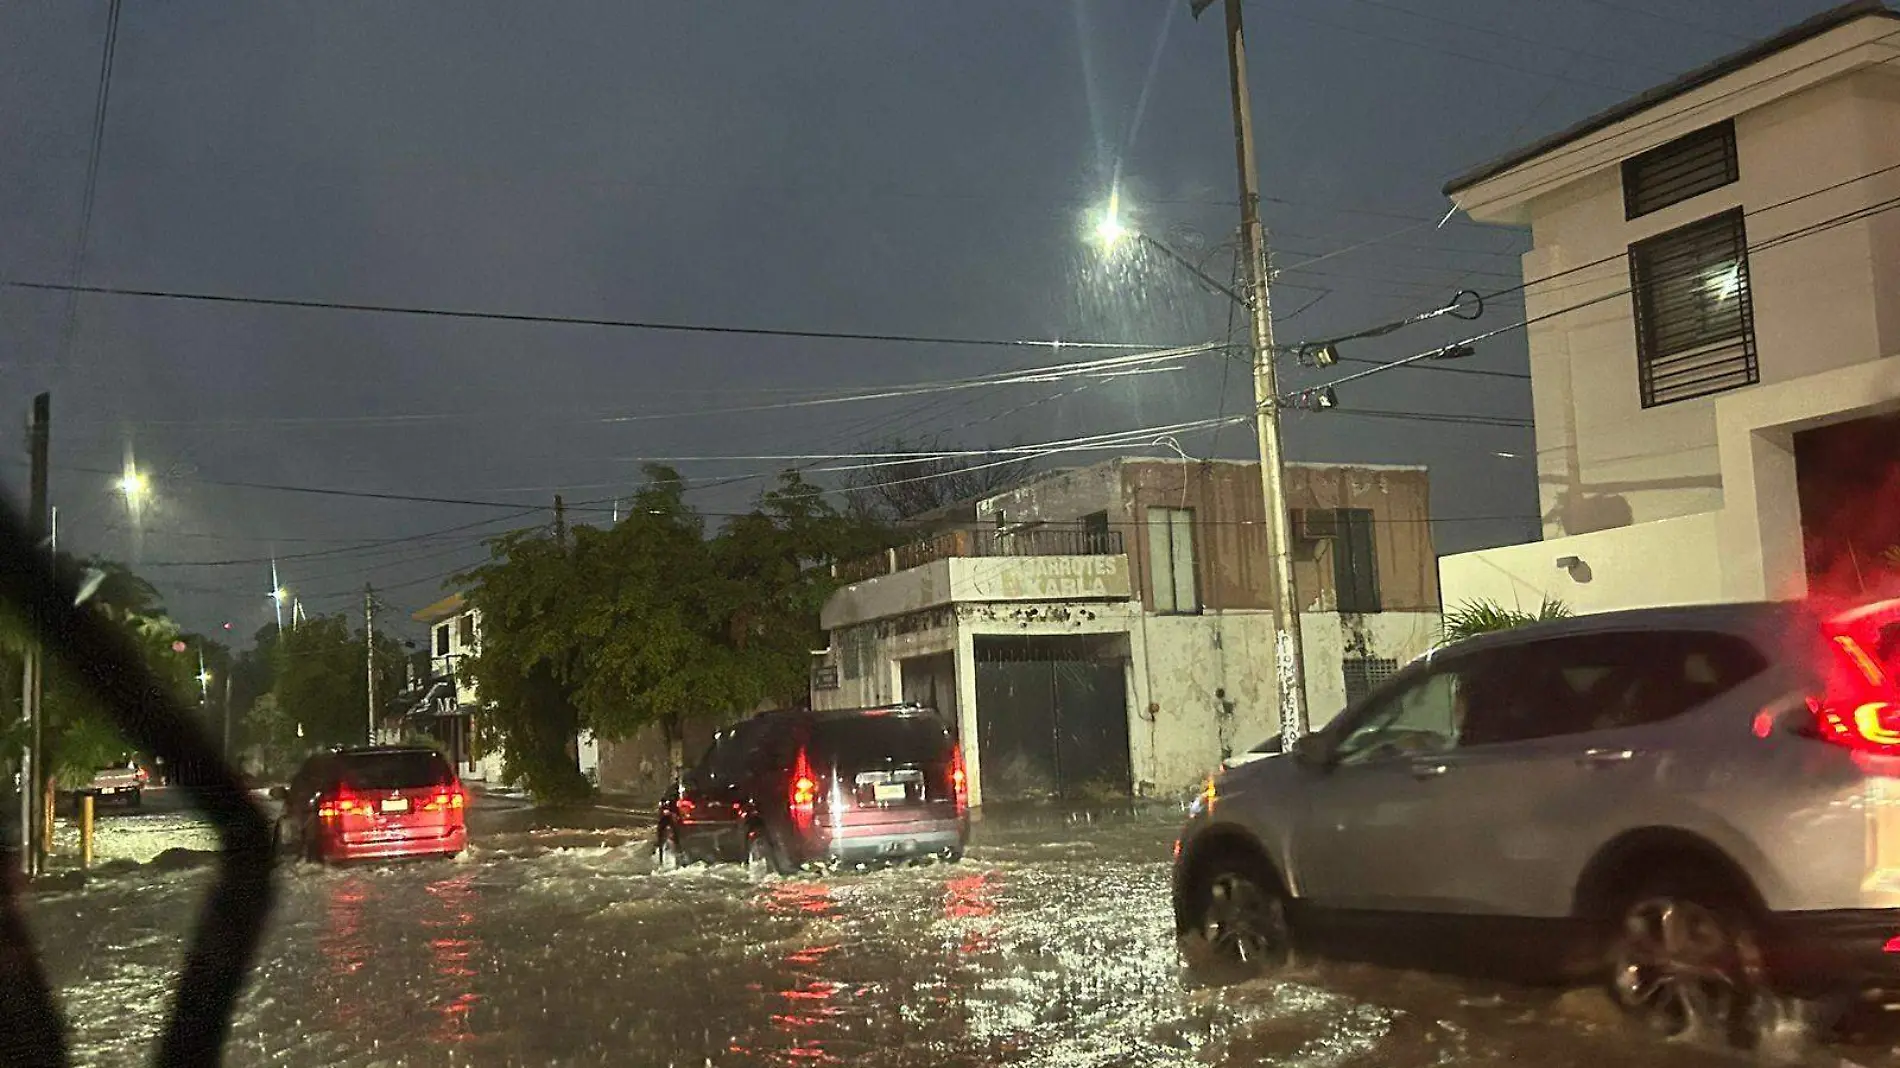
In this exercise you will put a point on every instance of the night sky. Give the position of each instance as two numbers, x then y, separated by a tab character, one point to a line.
848	166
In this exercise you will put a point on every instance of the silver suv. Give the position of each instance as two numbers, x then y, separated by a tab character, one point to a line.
1698	807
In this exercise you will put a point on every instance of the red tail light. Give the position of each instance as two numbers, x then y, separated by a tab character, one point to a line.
341	803
144	776
449	800
804	790
959	780
1861	706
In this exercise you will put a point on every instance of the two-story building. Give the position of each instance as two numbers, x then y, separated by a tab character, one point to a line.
1713	293
450	710
1108	628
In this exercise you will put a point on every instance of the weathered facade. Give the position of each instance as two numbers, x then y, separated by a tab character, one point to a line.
1107	628
450	708
1713	292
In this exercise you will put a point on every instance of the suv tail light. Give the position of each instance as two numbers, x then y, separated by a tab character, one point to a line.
451	799
804	795
959	780
341	803
1861	706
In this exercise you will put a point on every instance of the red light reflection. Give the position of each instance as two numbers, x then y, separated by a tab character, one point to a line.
966	898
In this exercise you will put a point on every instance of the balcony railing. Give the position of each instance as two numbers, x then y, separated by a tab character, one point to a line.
1033	541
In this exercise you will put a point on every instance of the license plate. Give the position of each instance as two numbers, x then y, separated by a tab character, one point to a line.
888	791
395	804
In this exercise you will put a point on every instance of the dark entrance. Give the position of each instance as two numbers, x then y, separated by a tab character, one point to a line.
1052	717
1849	486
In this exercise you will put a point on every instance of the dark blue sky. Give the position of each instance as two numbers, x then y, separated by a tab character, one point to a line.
923	169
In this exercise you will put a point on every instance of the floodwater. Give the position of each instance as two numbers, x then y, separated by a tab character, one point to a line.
1049	945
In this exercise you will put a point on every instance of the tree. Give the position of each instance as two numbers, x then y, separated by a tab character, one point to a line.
651	622
77	734
1483	616
906	489
321	683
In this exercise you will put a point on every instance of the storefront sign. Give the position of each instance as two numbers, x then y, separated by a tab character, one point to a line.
1051	578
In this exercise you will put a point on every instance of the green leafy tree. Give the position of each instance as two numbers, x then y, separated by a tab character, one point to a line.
651	622
77	733
1484	616
321	683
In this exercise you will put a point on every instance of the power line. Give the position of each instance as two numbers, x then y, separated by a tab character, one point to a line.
1822	226
1525	286
556	320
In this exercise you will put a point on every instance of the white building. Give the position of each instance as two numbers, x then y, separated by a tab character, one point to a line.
1714	293
1107	629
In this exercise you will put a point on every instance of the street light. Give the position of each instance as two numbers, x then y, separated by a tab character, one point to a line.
133	485
1112	232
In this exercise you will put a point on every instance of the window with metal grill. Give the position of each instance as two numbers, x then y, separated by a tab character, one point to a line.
1364	674
1689	166
1695	321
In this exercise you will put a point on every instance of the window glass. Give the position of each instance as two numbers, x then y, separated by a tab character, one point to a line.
1601	682
1171	559
1421	718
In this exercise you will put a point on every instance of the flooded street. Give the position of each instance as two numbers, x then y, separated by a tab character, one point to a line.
1050	945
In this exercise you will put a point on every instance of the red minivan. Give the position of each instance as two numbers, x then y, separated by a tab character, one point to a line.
374	803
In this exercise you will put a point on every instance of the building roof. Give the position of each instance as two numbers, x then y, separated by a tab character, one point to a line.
452	605
1695	79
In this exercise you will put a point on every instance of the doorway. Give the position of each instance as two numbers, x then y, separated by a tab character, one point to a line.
1052	717
1848	482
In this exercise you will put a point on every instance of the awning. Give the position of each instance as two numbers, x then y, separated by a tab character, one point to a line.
439	700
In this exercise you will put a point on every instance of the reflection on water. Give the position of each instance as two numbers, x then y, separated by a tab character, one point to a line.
391	956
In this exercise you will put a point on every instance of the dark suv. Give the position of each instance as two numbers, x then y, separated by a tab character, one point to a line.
790	789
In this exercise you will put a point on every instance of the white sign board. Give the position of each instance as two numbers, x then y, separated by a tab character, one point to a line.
1050	578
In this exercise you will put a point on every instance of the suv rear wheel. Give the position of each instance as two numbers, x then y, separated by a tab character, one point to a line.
762	855
1238	927
1684	961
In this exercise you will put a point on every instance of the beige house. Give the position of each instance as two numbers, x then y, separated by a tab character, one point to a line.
1107	628
1713	290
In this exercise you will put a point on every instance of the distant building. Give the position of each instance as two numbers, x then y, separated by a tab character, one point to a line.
1108	628
1714	299
450	709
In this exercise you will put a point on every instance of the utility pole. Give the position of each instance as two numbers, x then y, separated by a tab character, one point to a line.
227	715
1290	660
369	655
38	525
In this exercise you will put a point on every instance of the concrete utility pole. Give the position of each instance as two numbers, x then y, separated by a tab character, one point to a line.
38	525
369	654
1290	660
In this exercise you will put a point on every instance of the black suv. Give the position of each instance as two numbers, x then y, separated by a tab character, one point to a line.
791	789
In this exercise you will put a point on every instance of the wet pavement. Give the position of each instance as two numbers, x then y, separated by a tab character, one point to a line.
551	942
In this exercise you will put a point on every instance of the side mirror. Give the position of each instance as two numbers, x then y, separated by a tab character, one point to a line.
280	793
1313	751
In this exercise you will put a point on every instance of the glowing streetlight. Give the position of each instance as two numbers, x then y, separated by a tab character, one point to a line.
133	485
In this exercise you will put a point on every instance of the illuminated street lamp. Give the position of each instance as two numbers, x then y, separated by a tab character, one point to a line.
133	485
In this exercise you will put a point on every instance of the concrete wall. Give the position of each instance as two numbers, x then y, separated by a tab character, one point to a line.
966	579
1231	564
1669	561
1200	687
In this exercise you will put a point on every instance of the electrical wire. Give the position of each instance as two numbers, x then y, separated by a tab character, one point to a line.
556	320
1822	226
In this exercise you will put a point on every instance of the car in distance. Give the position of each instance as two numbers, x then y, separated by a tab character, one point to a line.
1698	807
373	802
123	782
792	789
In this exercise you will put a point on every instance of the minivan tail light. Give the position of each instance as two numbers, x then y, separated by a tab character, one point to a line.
1861	706
341	803
449	800
804	790
959	780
